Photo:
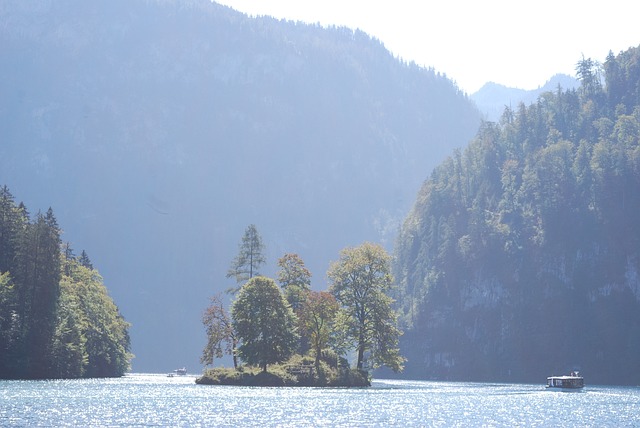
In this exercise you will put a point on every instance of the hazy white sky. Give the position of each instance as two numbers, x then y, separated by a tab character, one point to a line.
515	43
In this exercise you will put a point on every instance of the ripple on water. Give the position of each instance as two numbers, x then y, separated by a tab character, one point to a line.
157	400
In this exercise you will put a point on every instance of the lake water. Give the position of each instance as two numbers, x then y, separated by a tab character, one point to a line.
158	400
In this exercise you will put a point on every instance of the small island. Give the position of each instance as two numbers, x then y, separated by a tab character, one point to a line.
298	371
290	335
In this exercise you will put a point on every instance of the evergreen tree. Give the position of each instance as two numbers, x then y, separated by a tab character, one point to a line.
8	327
250	257
84	260
56	319
13	221
37	289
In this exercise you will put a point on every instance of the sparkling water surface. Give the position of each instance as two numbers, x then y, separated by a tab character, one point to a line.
158	400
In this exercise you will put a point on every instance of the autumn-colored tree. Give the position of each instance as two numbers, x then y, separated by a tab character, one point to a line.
317	317
221	338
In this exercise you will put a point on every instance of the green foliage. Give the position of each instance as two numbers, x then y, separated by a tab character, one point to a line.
104	330
515	249
297	371
294	278
249	259
36	275
317	320
264	323
248	376
221	376
56	319
360	281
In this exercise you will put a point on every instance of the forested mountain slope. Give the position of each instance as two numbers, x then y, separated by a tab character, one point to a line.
158	130
521	256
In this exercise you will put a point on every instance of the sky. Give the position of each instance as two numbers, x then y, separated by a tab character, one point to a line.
519	44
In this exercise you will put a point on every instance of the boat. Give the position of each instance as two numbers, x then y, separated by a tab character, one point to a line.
571	382
178	372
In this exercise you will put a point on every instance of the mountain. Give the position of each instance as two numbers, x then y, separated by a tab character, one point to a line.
492	98
520	257
158	130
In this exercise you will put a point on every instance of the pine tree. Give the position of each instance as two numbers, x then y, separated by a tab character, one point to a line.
38	289
84	260
249	259
12	223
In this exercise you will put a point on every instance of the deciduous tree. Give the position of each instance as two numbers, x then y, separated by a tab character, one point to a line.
295	279
360	281
221	338
264	323
317	317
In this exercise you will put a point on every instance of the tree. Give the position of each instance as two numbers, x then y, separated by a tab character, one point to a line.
12	224
104	329
7	323
317	318
295	279
37	285
69	355
360	281
264	323
84	260
220	332
56	318
249	259
91	337
589	75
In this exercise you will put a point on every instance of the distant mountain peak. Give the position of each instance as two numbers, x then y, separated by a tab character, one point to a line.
492	97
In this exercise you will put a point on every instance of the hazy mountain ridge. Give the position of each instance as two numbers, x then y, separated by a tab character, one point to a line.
493	97
158	130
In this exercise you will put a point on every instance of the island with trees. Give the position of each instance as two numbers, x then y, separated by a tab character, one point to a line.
56	318
287	334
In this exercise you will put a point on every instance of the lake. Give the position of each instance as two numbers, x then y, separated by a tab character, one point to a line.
158	400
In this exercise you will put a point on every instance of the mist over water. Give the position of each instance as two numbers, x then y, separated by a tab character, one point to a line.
158	400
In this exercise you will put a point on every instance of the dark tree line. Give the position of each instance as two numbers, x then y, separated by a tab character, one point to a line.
520	256
56	319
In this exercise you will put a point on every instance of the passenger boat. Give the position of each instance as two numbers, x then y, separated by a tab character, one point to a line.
179	372
572	382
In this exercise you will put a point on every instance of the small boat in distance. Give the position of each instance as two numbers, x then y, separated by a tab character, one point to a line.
572	382
179	372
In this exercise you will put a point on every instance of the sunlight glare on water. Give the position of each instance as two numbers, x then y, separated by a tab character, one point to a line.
158	400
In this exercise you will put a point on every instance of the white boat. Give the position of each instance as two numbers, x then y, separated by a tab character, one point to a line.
178	372
571	382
